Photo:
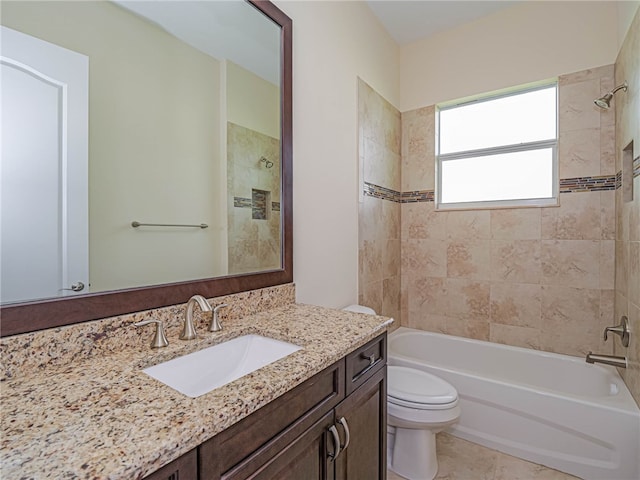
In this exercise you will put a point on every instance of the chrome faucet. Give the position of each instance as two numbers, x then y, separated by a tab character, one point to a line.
159	339
620	362
215	323
189	330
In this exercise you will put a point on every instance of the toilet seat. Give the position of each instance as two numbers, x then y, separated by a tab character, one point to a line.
420	390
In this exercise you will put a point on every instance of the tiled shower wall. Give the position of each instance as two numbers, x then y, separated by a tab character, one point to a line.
253	190
379	215
627	288
541	278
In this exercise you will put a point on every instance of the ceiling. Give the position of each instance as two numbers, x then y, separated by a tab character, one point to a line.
408	21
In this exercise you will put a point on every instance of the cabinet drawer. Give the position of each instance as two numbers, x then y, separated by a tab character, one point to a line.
363	363
311	400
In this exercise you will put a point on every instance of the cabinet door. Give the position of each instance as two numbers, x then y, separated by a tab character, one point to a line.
365	414
183	468
304	458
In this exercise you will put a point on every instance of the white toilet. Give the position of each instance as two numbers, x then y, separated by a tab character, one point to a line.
419	405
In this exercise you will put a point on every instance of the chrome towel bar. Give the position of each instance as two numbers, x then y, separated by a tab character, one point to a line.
136	224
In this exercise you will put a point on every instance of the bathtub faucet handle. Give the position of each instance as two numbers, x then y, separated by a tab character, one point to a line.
622	330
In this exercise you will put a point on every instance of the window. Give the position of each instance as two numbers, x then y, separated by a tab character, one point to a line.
499	151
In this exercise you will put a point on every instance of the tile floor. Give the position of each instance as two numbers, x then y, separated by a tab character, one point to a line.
462	460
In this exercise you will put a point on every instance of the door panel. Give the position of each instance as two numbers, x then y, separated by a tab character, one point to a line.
44	229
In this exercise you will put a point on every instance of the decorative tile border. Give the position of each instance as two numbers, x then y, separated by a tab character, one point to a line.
588	184
241	202
567	185
418	196
636	167
382	193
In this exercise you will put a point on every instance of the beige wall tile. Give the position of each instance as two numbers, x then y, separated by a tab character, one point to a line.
608	215
516	304
391	259
574	263
371	295
634	273
607	305
390	227
467	298
516	223
421	221
469	259
608	149
576	108
370	260
577	218
425	257
516	336
370	219
622	267
391	297
471	224
588	74
571	320
607	264
516	261
427	296
631	374
579	152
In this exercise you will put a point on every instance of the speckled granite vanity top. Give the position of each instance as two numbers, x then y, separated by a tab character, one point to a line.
102	417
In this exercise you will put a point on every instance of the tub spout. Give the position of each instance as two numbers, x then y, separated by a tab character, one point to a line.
607	359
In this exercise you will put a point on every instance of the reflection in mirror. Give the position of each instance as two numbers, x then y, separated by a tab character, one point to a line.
165	113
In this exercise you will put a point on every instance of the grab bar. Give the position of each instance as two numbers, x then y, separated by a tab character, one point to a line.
136	224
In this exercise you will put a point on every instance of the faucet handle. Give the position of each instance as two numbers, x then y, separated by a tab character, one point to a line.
159	338
622	330
215	322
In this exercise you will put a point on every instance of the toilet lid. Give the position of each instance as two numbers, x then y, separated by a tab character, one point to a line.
408	385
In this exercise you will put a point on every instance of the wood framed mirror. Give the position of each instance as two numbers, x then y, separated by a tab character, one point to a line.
33	315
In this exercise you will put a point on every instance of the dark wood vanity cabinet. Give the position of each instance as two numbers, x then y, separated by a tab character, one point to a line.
183	468
294	437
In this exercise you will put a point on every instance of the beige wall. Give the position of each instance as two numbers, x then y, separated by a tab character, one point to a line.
252	101
540	278
334	44
525	43
627	282
150	171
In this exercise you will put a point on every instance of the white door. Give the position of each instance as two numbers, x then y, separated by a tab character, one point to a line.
43	169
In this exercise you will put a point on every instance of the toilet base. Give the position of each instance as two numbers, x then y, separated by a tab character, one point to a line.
413	454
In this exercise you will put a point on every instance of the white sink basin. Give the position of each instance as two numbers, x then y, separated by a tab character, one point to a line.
200	372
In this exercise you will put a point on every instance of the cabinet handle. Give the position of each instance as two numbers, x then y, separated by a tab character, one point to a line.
373	362
347	435
336	442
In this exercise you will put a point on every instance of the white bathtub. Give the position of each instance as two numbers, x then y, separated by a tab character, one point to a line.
550	409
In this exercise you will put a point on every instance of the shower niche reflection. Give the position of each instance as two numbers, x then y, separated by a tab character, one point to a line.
253	186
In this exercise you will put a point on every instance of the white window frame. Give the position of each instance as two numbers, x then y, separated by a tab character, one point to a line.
512	203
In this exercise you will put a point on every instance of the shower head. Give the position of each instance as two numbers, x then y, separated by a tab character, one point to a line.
267	163
605	100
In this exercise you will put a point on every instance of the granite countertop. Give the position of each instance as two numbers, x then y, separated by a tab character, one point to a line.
104	418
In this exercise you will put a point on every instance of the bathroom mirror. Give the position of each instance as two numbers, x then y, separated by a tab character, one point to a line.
188	193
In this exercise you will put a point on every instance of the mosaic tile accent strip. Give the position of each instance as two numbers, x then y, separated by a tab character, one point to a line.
418	196
241	202
382	193
275	206
567	185
588	184
636	167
